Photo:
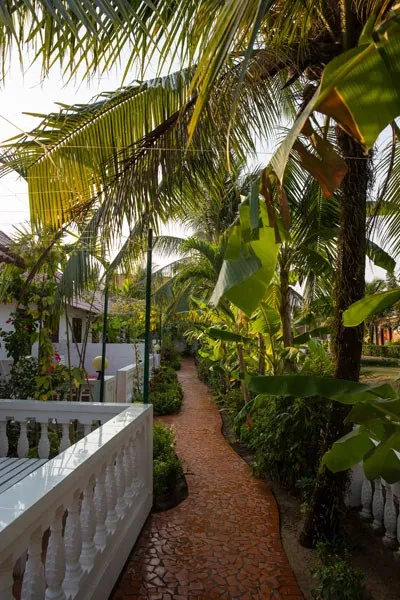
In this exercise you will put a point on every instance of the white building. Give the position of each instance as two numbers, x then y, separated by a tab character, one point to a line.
80	312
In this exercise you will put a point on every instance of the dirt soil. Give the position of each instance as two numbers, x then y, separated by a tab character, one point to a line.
380	565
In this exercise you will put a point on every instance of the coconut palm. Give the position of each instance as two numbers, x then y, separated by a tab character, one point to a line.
278	40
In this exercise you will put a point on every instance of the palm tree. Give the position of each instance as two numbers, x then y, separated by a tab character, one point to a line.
279	40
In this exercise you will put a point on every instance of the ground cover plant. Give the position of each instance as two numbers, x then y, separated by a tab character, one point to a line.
166	393
167	467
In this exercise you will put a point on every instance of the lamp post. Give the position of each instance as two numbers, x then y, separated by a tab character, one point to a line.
146	369
104	342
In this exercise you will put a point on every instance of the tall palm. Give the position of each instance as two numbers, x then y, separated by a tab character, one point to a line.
289	40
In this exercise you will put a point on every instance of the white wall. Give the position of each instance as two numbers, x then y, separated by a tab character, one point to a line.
118	355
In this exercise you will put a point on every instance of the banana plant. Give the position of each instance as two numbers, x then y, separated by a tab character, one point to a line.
373	421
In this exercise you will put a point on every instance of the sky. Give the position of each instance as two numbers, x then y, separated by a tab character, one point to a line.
29	92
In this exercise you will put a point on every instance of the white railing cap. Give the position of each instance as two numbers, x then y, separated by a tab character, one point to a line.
127	368
31	502
85	412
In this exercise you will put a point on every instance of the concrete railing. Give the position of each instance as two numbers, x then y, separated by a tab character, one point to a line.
90	390
130	379
64	416
86	506
379	504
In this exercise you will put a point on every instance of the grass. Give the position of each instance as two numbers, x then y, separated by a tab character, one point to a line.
379	374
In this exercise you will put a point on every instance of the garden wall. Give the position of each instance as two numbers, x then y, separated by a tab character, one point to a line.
118	355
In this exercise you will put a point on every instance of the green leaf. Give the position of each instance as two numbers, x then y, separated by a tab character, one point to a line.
368	306
348	451
255	267
268	321
384	460
302	386
347	95
379	257
370	394
224	335
307	335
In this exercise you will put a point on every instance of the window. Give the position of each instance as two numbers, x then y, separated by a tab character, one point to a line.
76	330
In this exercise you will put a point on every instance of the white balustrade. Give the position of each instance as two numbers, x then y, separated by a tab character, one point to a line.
90	390
93	498
130	378
53	414
34	584
380	502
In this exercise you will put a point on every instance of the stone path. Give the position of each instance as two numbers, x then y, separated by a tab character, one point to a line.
223	540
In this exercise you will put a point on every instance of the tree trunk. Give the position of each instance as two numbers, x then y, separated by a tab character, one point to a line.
382	332
324	519
284	308
242	368
376	335
371	334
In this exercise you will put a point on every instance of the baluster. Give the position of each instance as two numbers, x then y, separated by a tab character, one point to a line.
44	443
88	524
55	559
390	519
366	499
120	481
87	428
111	491
129	492
6	579
23	442
141	457
73	547
378	507
100	503
134	465
3	439
65	441
34	585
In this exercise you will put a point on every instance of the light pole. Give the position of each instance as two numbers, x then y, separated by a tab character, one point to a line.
147	318
104	342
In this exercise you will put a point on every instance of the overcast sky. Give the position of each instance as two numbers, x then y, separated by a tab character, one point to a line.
30	93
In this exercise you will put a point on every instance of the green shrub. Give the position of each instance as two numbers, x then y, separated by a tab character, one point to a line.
166	403
170	356
388	350
167	467
163	375
286	437
166	393
337	579
379	361
232	402
211	373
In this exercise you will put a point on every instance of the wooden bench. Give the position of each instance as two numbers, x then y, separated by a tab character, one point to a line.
13	470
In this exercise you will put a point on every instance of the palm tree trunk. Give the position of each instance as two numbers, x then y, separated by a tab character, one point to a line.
324	519
284	308
242	369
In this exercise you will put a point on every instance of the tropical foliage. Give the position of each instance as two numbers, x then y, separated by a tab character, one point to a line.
168	147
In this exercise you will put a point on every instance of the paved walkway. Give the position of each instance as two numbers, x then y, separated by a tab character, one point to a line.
223	540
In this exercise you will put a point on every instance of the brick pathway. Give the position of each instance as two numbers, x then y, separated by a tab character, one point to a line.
223	540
